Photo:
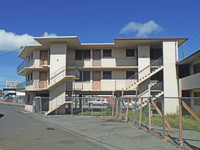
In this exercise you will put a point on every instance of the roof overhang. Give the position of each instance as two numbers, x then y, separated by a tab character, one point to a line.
74	43
190	59
154	42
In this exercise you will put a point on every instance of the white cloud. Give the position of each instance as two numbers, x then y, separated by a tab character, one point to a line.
48	35
141	30
10	41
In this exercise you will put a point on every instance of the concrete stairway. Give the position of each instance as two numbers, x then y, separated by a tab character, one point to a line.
147	76
53	109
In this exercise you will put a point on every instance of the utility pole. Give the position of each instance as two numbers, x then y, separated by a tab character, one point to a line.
183	50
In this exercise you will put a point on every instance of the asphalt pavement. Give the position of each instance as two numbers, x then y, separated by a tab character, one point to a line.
18	131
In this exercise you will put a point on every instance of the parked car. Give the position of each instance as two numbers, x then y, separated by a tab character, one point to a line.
97	102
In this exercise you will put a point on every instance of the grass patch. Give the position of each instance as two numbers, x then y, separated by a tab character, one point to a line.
189	122
106	112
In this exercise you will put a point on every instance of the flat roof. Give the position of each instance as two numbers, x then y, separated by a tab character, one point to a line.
190	59
73	42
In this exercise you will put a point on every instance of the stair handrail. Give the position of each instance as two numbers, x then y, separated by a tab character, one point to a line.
159	61
57	72
158	86
22	65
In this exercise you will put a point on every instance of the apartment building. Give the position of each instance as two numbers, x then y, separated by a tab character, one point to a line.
60	66
189	74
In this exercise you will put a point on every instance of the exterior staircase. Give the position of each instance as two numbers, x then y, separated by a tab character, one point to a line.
53	109
154	68
55	78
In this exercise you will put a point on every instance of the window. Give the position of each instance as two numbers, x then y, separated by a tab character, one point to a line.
78	55
84	76
86	54
197	100
130	52
31	56
107	53
31	76
28	99
82	54
28	77
196	68
155	53
129	74
107	75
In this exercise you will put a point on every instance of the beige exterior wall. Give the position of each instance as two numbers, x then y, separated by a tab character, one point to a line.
194	107
35	62
58	53
170	49
34	83
143	69
118	82
118	59
191	82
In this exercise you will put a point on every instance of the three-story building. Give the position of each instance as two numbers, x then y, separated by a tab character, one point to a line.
62	65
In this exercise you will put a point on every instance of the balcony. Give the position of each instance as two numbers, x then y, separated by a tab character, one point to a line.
21	66
103	62
44	62
191	82
21	86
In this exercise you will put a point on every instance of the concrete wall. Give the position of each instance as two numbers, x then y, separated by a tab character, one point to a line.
29	108
35	62
170	49
118	59
36	56
191	82
33	84
143	69
118	82
57	96
58	53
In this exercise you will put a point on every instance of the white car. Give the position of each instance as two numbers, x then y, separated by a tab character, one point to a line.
97	102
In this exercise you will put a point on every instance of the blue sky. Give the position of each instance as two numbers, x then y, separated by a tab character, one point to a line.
93	21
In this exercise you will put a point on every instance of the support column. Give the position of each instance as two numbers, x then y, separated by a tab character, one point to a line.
58	53
143	62
170	57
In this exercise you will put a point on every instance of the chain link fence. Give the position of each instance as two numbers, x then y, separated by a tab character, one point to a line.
176	120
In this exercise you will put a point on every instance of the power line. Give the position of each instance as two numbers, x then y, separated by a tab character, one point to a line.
9	52
10	75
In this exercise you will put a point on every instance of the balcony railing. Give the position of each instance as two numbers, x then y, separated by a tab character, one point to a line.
21	86
21	66
44	61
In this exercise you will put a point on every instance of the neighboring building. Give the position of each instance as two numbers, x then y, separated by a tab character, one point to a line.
1	93
146	65
11	91
189	74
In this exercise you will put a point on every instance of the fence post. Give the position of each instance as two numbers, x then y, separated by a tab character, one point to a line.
92	106
113	108
149	115
56	107
72	106
127	110
140	118
121	108
82	106
135	109
102	107
163	118
117	106
180	123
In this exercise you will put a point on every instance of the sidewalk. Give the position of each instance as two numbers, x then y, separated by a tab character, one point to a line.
108	133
